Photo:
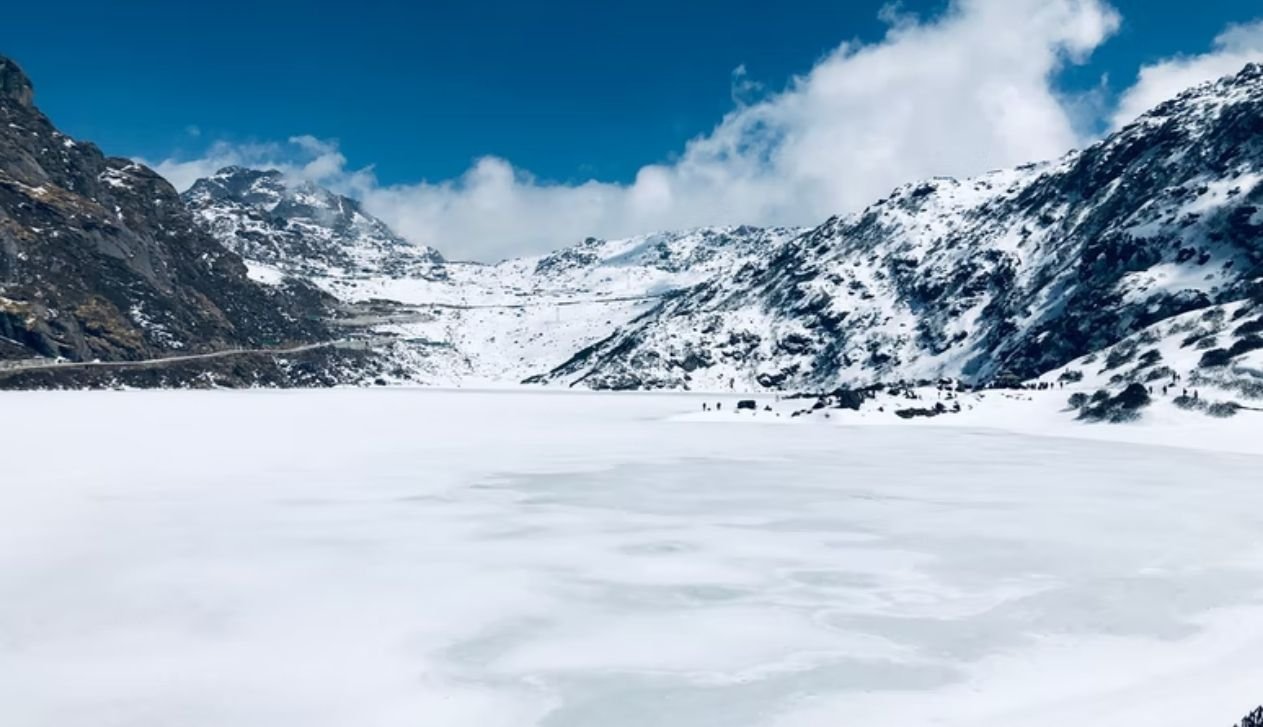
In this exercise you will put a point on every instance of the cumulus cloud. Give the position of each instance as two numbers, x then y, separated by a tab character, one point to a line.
1232	50
957	94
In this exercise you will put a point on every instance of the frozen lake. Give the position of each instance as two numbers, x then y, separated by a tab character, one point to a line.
393	557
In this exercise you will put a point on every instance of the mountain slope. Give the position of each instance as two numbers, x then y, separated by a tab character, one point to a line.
299	226
503	323
1004	276
456	323
99	259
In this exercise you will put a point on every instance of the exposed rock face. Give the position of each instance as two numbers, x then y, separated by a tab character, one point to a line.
1001	277
99	259
15	87
300	227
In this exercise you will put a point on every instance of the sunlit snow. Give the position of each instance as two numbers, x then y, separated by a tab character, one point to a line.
400	557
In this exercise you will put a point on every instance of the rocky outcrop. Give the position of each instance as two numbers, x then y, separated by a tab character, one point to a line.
301	228
100	259
1253	719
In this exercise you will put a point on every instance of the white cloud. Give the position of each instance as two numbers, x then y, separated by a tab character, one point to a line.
1233	49
744	88
959	94
182	173
303	157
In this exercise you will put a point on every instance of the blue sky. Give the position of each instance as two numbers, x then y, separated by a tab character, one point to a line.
565	89
565	92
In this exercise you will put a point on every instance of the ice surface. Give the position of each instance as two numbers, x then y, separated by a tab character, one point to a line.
404	557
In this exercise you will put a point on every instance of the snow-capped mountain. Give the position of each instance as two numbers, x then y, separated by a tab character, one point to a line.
300	227
458	323
502	323
445	322
646	266
1007	275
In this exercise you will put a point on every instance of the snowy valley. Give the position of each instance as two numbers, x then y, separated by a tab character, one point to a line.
443	322
1013	278
1001	279
984	453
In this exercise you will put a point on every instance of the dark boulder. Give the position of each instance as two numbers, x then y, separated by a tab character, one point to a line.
918	412
849	399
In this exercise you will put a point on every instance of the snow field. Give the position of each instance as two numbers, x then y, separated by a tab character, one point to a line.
403	557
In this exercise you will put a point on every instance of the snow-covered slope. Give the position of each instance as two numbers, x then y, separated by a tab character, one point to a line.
646	266
300	227
1007	275
1208	360
458	323
500	324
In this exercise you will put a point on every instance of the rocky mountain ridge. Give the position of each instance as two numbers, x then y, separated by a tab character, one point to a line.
100	259
300	227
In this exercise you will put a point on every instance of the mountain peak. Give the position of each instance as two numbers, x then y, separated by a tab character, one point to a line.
1199	108
1248	80
14	84
234	170
267	217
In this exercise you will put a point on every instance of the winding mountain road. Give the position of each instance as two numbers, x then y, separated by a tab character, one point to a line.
9	368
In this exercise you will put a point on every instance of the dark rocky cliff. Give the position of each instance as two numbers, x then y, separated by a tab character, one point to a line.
99	259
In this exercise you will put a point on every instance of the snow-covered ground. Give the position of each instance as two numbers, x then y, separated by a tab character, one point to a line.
469	324
1031	412
409	557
